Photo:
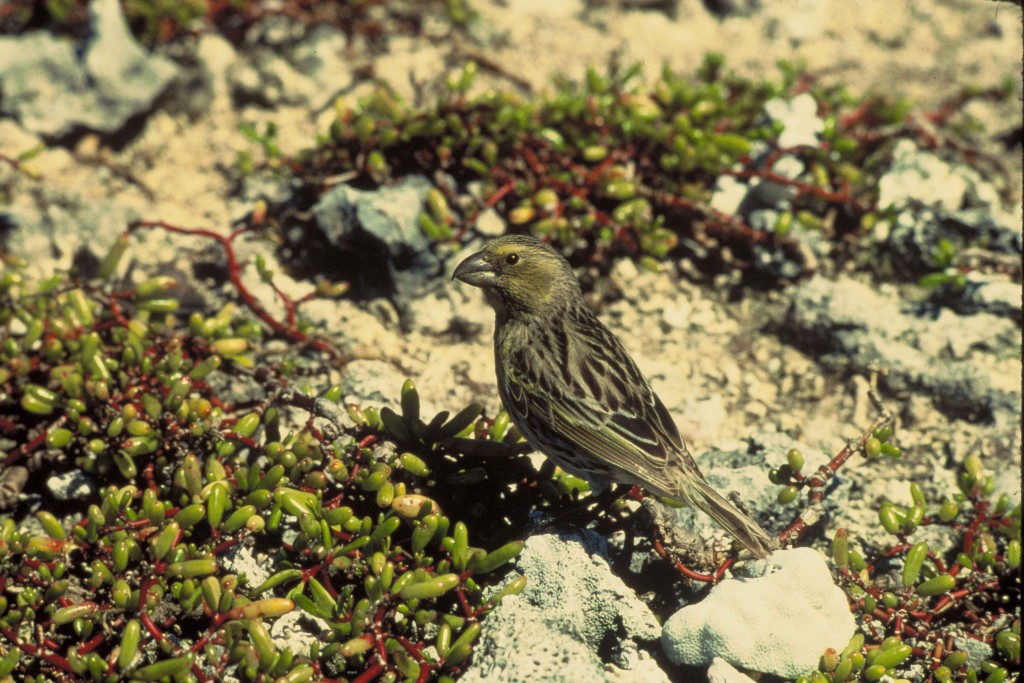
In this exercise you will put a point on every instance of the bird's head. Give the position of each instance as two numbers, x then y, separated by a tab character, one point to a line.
520	275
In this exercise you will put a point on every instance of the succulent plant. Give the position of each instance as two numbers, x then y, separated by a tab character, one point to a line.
141	579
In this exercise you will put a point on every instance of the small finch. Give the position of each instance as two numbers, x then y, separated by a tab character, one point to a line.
575	393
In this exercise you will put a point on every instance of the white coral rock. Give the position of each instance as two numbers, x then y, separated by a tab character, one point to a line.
779	623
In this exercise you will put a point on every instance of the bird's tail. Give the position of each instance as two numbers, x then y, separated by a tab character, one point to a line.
739	525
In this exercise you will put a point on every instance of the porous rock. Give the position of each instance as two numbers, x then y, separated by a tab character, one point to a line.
779	623
385	222
799	118
53	87
521	643
722	671
571	609
918	178
854	326
569	574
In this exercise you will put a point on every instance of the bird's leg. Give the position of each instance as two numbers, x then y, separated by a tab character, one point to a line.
678	546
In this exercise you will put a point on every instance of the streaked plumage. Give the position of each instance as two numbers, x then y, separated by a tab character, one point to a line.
573	390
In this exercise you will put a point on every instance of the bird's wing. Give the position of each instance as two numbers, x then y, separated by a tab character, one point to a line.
601	404
626	440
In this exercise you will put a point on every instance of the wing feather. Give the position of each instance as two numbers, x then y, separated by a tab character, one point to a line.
604	406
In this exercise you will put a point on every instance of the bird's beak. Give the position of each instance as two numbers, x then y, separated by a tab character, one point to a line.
475	271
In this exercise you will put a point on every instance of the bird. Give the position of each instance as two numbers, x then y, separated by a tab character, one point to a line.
575	393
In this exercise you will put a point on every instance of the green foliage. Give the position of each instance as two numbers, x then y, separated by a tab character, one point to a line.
970	591
364	530
161	21
611	166
266	141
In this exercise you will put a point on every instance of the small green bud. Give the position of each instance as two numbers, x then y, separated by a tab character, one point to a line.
949	511
795	459
914	562
192	568
498	557
434	587
893	656
841	549
883	433
163	669
937	585
788	494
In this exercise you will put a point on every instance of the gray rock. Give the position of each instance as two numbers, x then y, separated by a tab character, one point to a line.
977	651
572	606
216	55
371	383
490	224
915	234
433	314
998	297
61	230
320	56
388	214
286	65
521	643
297	630
722	671
54	87
856	327
388	217
72	485
918	178
729	194
769	194
570	585
240	560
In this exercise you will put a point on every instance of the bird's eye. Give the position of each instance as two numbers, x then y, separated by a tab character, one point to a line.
512	259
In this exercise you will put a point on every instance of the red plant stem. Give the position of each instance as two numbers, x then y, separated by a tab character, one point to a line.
416	653
466	608
3	157
682	568
54	659
32	444
224	545
147	621
91	644
371	673
218	621
328	584
723	569
289	331
245	440
382	652
940	566
841	197
817	481
499	194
